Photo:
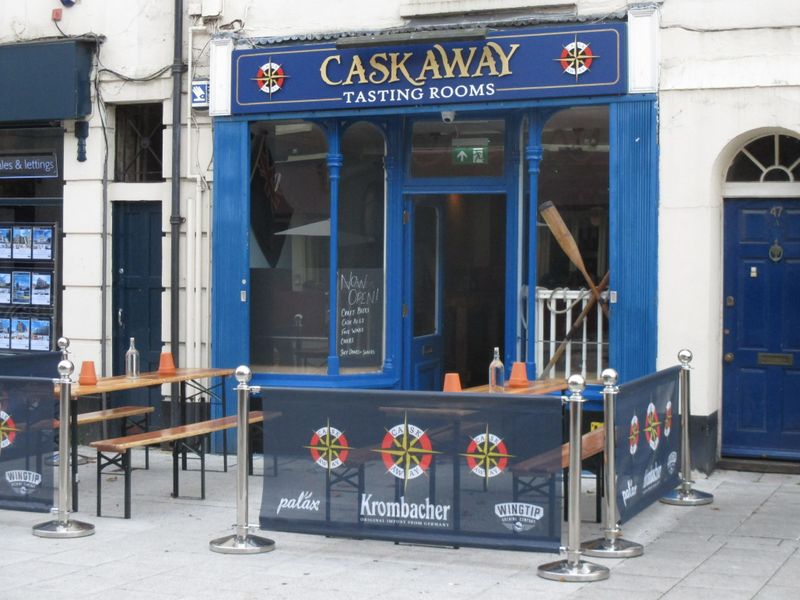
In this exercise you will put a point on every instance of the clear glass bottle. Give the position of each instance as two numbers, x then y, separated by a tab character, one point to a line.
497	373
132	361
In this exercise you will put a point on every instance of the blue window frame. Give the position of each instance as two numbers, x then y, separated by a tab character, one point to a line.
633	230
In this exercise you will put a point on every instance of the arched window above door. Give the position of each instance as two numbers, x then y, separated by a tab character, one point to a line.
771	158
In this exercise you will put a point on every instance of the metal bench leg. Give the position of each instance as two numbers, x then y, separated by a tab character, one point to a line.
126	467
99	480
73	455
202	453
176	450
147	448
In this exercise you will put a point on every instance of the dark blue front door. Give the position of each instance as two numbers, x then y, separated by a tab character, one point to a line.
761	335
136	251
425	284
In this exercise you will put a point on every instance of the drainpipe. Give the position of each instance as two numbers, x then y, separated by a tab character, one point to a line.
175	218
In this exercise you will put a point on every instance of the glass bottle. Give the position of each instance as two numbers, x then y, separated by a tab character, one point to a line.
132	361
497	373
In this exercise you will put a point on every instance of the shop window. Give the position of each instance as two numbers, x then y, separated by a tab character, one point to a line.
360	289
574	176
458	148
139	141
289	247
768	158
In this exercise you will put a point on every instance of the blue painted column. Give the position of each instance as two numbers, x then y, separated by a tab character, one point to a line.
334	172
230	253
633	236
512	305
533	154
393	217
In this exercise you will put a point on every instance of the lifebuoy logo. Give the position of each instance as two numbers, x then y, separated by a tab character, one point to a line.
518	516
652	426
328	447
576	58
270	78
406	451
8	430
633	435
668	419
487	455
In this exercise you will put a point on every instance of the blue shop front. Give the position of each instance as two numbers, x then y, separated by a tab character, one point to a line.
376	217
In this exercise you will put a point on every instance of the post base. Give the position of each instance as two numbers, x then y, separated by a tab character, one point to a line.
249	544
562	570
679	497
63	529
614	548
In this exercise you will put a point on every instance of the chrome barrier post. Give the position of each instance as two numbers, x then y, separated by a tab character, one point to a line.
611	545
573	568
241	542
684	495
63	526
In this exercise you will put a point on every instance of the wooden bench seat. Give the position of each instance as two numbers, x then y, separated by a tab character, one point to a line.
114	451
549	463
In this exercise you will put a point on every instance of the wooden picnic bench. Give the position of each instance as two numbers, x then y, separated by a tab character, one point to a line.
548	463
115	451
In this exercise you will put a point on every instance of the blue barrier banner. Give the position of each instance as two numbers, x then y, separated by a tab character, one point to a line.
30	364
648	441
27	409
452	469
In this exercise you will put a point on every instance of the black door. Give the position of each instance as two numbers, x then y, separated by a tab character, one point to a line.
136	266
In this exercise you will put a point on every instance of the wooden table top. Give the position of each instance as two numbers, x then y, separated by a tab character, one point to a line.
120	382
534	388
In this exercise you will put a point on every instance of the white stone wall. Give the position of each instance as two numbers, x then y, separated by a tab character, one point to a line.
729	73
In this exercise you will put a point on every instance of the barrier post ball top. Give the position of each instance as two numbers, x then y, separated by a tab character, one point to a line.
576	383
65	369
610	378
243	374
62	343
685	357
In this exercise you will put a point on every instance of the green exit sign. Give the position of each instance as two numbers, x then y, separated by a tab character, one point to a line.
470	155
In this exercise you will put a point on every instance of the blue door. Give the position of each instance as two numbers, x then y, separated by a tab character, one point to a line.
136	304
761	329
423	306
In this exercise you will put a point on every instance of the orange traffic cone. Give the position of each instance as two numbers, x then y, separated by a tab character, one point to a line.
452	382
166	364
519	376
88	375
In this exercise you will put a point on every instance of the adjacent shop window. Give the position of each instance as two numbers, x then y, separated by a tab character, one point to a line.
457	148
360	290
574	177
139	142
769	158
289	247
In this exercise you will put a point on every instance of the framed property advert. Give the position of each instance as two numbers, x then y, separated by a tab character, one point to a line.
22	243
42	243
5	332
5	242
21	287
20	334
40	334
42	288
5	287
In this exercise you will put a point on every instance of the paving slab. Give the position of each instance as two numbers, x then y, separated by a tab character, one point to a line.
745	545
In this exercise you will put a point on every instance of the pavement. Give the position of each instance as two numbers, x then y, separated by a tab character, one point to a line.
744	545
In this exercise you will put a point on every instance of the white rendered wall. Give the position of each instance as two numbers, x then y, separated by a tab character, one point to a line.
728	74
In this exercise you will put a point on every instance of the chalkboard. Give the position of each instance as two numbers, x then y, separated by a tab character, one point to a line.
359	317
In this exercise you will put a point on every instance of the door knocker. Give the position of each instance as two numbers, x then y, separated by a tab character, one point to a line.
775	252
